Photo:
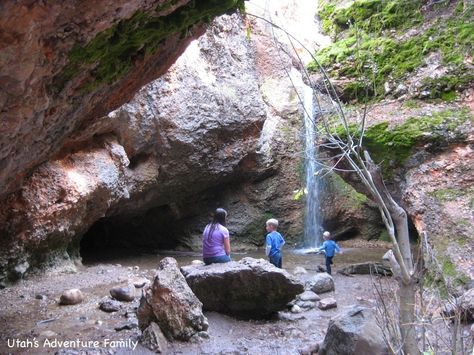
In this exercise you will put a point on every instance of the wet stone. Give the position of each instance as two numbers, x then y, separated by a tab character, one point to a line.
110	306
127	326
139	283
296	309
125	294
71	297
327	303
320	283
309	296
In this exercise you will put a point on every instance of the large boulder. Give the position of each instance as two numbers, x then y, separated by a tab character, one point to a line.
171	304
354	332
249	288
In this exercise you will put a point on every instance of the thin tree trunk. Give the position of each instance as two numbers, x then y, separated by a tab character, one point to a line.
406	284
406	293
400	220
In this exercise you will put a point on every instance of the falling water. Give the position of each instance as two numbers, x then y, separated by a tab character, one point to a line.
312	223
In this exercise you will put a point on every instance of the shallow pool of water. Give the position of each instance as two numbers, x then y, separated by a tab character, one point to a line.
291	257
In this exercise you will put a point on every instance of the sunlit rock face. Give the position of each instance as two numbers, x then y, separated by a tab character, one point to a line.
198	137
64	64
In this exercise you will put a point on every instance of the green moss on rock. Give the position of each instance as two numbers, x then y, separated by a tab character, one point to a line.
370	15
111	54
372	56
392	147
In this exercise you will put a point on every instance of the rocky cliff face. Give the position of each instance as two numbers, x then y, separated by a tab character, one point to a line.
175	152
64	65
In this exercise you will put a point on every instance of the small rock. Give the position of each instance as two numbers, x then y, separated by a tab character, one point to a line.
41	297
320	283
309	296
110	306
99	322
309	349
203	334
327	303
47	334
136	268
20	269
401	89
197	262
153	339
71	297
296	309
125	294
308	305
299	271
321	268
139	283
289	317
126	326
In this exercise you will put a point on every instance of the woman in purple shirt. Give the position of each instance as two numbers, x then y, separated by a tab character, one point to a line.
215	240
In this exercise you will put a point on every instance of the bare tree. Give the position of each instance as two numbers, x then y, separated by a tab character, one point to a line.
349	156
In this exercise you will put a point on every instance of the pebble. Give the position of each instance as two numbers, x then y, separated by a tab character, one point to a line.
296	309
197	262
139	283
327	303
126	326
125	294
204	335
110	306
40	296
309	349
309	296
71	297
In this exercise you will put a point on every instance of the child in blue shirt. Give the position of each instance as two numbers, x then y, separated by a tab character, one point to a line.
330	248
274	241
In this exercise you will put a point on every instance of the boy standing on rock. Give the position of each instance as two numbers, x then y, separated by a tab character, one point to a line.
274	242
330	248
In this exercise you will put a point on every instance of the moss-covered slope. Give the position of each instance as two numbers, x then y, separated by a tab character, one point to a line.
379	44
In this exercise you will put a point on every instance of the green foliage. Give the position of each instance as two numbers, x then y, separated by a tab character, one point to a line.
111	54
355	199
444	277
365	52
384	236
391	147
369	15
449	194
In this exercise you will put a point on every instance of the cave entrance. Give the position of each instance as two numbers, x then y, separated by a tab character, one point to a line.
120	237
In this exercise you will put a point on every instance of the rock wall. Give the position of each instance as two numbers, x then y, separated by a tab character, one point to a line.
220	129
64	65
186	141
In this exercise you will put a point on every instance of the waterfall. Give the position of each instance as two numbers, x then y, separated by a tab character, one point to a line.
312	219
